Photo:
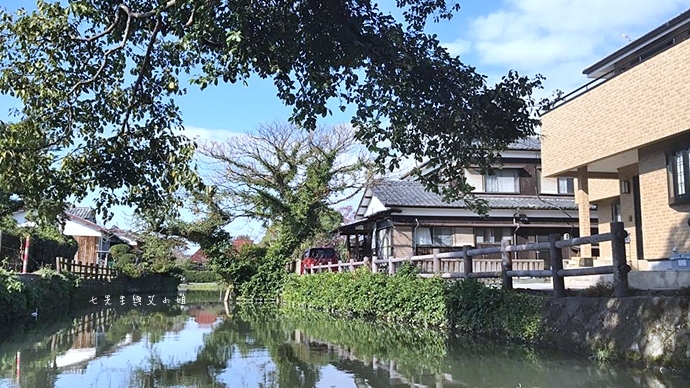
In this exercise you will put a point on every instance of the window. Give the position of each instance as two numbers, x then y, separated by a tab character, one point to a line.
502	181
437	237
492	235
566	186
679	178
384	243
616	212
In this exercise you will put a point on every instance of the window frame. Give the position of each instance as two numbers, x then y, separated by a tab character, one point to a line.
516	180
433	230
672	158
570	183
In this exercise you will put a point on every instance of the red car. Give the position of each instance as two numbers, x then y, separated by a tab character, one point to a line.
319	256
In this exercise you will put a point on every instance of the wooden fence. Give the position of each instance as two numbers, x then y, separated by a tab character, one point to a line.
461	265
85	271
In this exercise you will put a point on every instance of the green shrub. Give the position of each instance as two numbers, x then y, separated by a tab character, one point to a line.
200	276
400	298
466	306
478	309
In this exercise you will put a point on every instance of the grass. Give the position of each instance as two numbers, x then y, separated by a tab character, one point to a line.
201	287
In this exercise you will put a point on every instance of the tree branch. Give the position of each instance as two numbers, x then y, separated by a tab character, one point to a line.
105	58
140	78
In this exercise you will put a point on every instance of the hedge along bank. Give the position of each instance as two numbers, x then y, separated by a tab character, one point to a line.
52	293
407	298
648	330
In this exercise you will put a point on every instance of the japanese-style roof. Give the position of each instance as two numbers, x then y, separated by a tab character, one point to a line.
85	213
395	193
527	144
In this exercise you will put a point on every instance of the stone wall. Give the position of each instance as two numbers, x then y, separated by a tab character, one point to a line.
651	330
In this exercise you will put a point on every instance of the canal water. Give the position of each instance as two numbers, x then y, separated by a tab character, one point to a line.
199	342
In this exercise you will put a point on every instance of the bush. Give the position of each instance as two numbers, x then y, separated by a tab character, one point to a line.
478	309
48	292
400	298
466	306
201	276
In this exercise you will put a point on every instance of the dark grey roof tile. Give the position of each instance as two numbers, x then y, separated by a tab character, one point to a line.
394	193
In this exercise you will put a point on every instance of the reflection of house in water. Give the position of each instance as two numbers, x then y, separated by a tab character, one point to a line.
203	317
88	341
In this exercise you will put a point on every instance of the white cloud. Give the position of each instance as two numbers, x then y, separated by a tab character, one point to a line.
458	47
559	38
207	134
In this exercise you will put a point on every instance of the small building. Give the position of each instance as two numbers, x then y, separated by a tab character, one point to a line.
94	241
199	258
626	138
399	218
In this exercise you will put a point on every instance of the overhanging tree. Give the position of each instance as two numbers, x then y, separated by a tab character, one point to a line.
288	179
97	78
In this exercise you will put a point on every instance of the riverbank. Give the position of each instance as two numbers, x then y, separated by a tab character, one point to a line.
654	331
50	293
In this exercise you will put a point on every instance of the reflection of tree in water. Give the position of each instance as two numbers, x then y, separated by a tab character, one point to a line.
37	353
244	335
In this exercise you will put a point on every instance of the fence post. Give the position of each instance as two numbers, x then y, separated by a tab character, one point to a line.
620	266
374	265
556	257
467	261
391	266
57	265
352	265
506	265
436	261
298	266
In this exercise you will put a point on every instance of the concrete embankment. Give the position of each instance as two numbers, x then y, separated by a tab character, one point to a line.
651	330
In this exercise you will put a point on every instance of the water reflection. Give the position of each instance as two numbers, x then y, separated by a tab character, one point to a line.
205	344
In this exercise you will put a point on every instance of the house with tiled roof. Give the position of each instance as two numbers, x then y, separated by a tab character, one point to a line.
94	241
399	218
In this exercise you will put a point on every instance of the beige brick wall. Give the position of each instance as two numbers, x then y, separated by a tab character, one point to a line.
628	213
604	212
402	241
602	189
644	104
663	227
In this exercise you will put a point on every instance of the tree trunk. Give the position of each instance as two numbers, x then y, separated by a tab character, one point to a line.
227	293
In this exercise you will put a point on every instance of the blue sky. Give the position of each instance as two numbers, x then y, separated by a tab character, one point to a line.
556	38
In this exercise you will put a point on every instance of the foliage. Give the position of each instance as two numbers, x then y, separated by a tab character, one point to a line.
45	246
287	179
201	276
48	290
363	294
103	115
466	306
413	350
155	255
478	309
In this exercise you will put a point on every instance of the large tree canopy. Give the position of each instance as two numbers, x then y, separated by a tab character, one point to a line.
97	79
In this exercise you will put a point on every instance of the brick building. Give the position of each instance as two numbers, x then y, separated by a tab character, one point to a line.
627	140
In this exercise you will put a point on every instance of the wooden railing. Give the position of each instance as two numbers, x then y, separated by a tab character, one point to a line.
85	271
461	265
